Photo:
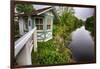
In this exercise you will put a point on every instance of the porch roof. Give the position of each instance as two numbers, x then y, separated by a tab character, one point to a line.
40	11
35	12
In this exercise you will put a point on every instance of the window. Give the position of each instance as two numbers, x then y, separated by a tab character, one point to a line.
49	23
48	26
39	23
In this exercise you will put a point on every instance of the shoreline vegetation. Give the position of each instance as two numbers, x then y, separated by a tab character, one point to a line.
89	25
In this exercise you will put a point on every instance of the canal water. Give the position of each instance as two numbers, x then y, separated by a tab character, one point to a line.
82	45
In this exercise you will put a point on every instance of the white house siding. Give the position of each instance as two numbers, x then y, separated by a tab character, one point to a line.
21	26
33	22
29	23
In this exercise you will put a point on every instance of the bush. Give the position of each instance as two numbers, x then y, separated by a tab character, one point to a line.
47	54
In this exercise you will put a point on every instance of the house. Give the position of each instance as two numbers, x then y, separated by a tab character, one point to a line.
42	19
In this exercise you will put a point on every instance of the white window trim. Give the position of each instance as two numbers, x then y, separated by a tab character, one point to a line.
50	24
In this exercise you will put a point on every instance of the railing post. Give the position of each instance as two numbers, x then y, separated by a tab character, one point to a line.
35	41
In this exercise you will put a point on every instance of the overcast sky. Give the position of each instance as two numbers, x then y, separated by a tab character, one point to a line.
81	13
40	6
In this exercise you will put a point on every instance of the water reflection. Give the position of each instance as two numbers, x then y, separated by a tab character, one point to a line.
82	45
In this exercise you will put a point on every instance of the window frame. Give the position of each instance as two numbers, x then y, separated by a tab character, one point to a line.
42	24
49	24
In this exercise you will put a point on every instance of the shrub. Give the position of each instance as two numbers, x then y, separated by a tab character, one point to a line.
47	54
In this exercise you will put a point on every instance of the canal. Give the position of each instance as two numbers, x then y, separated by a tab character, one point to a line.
82	45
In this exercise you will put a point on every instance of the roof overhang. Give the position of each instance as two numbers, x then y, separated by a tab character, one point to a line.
45	11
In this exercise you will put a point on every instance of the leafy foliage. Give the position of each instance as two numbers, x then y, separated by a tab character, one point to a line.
90	24
26	8
47	54
63	30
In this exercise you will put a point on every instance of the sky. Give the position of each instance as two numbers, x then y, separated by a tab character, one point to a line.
83	13
40	6
80	13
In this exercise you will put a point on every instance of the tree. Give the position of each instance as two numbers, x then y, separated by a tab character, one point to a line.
78	23
90	24
26	8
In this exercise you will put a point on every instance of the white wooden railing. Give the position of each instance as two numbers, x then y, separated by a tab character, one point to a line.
24	46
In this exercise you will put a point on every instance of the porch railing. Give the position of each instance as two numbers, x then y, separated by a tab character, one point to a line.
24	46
